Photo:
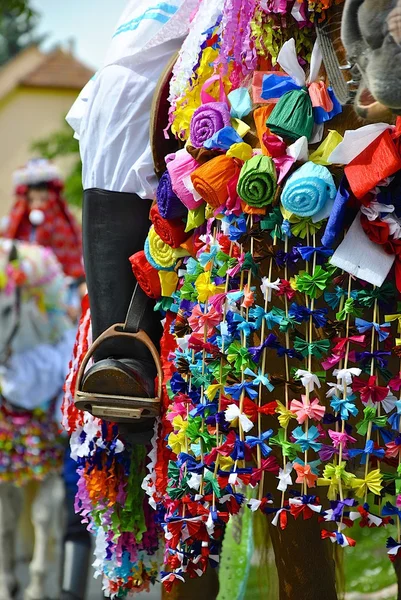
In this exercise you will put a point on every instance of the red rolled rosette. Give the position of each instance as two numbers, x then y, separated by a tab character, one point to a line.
171	231
146	275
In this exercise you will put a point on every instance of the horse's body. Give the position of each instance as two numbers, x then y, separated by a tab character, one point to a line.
34	347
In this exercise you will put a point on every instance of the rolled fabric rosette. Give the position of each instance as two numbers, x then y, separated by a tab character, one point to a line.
159	254
308	191
146	275
180	168
207	120
170	206
171	231
257	182
211	179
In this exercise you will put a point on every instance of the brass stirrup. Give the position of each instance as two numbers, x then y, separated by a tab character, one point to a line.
115	407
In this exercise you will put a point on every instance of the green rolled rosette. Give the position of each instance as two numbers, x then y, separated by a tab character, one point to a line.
257	182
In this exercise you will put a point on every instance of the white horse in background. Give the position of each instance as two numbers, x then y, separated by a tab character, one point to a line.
36	338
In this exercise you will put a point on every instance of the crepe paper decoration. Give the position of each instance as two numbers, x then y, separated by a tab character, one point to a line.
285	414
383	295
381	330
211	179
267	288
206	288
171	231
306	506
365	452
370	417
361	257
336	537
356	141
344	406
378	161
317	348
335	222
310	381
208	119
180	169
170	207
307	252
341	438
335	476
305	474
260	116
160	253
269	342
292	116
242	151
286	290
307	439
223	139
349	309
306	409
240	102
313	285
260	442
168	282
301	314
309	192
284	477
257	181
146	275
371	483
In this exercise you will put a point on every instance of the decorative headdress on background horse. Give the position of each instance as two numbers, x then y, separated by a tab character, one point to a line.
57	228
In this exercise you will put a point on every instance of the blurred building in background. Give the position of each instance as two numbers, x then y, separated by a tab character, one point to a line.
36	92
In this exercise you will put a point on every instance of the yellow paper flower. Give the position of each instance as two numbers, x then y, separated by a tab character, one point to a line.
206	288
177	442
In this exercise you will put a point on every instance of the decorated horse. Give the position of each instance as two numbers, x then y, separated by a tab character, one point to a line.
273	256
36	338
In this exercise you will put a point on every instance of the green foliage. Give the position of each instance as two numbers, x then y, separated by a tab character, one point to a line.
17	28
59	144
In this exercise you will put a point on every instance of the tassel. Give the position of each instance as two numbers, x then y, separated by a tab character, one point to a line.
292	116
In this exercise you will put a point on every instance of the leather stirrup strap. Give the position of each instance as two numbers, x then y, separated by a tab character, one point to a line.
136	310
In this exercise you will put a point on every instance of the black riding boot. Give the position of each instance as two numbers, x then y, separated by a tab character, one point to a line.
115	226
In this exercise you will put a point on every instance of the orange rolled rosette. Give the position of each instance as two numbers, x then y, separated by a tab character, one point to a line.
211	179
171	231
146	275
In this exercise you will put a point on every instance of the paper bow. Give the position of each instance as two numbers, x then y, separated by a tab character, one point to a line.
369	413
308	380
272	318
336	537
245	387
369	390
371	483
240	356
286	290
232	413
349	309
393	449
367	451
260	379
269	464
313	285
377	356
333	298
344	406
268	286
206	288
382	294
284	477
305	474
307	439
285	415
260	441
341	438
393	548
304	505
341	343
391	318
307	252
288	448
199	320
269	342
307	410
334	476
317	348
364	326
347	374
